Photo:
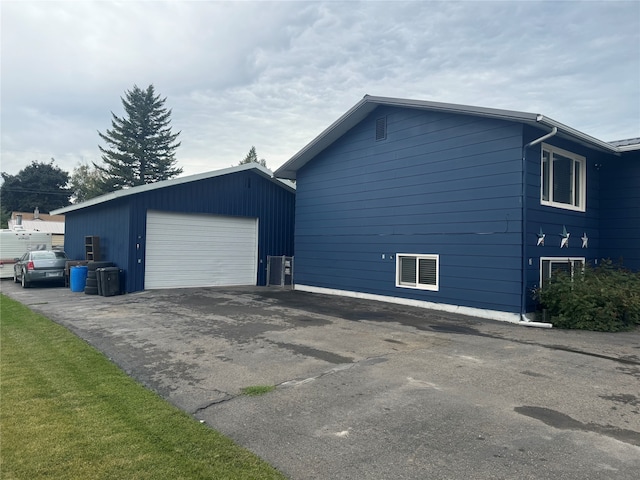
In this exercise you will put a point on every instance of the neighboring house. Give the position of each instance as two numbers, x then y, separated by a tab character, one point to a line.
215	228
458	208
39	222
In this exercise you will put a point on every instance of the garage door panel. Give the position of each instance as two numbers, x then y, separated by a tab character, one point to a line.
184	250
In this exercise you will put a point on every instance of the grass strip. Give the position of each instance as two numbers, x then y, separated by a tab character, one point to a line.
67	412
257	390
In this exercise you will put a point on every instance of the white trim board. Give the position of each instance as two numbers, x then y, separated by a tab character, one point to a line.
469	311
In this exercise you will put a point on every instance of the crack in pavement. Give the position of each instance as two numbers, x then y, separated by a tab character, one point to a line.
228	397
296	382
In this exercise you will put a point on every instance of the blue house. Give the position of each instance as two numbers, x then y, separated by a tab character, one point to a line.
211	229
458	208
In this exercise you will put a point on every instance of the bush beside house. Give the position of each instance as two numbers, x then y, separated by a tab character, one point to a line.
604	298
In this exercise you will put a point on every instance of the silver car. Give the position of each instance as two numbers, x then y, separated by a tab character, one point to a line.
40	266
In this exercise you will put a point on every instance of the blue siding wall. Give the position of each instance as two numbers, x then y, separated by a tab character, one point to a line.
438	184
620	205
552	220
109	221
242	193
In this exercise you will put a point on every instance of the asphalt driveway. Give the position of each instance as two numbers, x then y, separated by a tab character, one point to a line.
369	390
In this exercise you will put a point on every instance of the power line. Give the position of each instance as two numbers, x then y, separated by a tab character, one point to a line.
41	192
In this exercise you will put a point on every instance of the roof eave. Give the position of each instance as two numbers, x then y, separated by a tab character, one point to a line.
578	136
629	148
259	169
369	103
329	135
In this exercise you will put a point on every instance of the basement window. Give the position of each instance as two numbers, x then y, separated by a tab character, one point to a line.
563	179
418	271
551	265
381	128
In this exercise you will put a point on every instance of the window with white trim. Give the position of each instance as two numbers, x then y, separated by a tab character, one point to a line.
551	265
563	179
418	271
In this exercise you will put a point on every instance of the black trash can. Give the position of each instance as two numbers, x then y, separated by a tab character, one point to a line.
99	279
108	281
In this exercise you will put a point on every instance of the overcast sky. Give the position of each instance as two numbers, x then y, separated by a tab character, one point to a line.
275	74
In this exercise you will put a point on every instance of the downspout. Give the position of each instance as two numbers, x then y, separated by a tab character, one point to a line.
553	131
523	300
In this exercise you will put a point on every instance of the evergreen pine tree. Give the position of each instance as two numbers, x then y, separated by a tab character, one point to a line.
252	157
140	146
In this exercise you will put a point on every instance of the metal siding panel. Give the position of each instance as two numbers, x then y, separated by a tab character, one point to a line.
110	222
426	190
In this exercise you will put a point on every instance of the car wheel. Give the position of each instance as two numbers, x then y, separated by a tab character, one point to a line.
25	284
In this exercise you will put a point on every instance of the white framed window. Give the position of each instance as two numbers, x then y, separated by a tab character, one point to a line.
418	271
563	179
551	265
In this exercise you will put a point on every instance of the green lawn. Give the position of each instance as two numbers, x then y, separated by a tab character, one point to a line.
67	412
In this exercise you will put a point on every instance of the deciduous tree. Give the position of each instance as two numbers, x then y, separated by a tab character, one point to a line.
87	182
42	185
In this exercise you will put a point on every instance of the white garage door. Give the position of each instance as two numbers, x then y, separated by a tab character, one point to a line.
184	250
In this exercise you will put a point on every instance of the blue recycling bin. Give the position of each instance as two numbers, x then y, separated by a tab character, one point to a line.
78	278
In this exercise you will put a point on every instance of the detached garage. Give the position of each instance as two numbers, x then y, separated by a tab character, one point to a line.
210	229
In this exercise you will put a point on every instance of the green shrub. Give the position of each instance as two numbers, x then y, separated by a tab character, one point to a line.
604	298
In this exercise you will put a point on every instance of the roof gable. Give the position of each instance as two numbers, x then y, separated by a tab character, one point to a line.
368	104
256	168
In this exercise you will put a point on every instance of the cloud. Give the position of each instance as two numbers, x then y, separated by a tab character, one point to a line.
275	74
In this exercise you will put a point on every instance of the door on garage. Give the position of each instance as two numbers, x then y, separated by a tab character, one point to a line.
192	250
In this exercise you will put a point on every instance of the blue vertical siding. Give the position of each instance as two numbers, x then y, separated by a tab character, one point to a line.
438	184
109	222
620	205
121	224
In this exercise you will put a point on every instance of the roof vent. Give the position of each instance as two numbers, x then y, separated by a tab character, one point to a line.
381	128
